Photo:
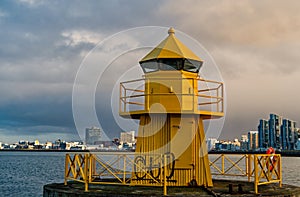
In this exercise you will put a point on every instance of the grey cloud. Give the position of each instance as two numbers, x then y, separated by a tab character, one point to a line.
255	43
256	46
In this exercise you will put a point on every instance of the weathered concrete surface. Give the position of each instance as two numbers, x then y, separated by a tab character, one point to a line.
77	189
221	188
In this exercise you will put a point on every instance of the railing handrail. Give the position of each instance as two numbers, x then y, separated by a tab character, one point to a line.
213	93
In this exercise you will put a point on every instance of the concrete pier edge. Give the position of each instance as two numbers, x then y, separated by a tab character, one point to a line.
221	188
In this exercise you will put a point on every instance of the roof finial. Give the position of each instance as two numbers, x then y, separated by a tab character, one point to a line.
171	31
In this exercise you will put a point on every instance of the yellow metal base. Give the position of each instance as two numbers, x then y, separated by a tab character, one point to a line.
178	141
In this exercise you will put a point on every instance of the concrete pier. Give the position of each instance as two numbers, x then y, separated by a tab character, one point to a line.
221	188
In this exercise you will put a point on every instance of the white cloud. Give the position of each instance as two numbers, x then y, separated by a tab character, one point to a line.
76	37
32	3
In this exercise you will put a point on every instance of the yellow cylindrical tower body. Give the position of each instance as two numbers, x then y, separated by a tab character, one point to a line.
171	116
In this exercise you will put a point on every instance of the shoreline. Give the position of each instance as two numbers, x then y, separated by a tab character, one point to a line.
66	151
283	153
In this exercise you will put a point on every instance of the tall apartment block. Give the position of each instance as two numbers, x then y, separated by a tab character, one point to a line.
289	134
263	132
127	137
92	135
275	123
244	142
253	140
277	132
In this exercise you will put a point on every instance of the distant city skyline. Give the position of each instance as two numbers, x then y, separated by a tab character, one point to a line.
126	134
255	45
278	132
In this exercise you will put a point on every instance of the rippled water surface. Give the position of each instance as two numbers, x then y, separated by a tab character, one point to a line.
25	173
291	170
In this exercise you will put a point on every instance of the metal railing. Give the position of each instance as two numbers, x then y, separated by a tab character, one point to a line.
117	168
126	169
267	169
76	169
211	96
133	95
260	168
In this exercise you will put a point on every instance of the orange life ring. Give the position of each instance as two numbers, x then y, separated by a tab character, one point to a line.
271	150
273	159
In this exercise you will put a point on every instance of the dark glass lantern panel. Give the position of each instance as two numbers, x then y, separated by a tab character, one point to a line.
192	65
149	66
171	64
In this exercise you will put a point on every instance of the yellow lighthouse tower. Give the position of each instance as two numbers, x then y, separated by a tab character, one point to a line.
171	101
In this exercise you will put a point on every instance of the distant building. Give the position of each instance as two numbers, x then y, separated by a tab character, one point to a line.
36	143
211	142
298	144
59	145
236	144
244	142
127	137
263	134
75	146
107	144
226	145
48	145
252	140
92	135
275	134
244	138
289	134
278	133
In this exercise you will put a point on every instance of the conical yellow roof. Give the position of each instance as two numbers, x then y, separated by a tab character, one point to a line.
171	47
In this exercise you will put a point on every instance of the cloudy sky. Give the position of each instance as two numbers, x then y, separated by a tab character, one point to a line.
256	45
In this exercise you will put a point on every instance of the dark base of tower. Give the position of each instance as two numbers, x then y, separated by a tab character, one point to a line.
221	188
